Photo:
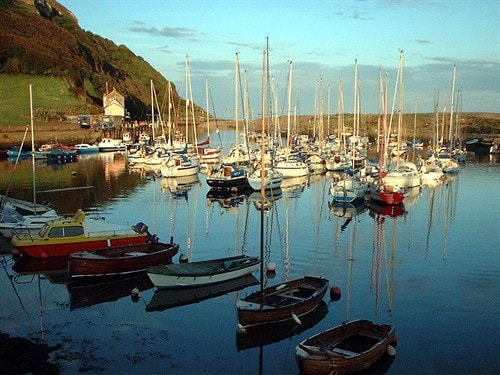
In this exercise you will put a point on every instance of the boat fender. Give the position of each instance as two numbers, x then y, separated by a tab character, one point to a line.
16	252
296	318
183	258
108	242
44	255
241	330
391	351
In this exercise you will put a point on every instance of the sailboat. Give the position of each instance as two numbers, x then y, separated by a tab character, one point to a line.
283	302
404	174
380	191
230	175
291	163
206	153
13	218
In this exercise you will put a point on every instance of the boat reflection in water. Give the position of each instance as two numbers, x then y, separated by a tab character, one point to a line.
55	269
265	335
179	186
86	293
270	197
164	299
386	210
225	198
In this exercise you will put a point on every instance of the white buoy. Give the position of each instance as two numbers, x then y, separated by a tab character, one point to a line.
391	351
271	267
135	291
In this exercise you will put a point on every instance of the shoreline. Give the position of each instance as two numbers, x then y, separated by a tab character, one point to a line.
71	134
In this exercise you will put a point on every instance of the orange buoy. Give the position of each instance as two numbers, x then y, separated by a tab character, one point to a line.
335	293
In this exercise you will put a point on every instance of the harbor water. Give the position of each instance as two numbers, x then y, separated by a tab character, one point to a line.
430	269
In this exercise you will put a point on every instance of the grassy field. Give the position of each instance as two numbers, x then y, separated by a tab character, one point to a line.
51	99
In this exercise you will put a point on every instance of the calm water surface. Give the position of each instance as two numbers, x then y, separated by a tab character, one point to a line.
432	271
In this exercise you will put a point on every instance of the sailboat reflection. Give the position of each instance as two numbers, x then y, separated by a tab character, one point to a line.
179	186
270	197
168	298
226	199
386	210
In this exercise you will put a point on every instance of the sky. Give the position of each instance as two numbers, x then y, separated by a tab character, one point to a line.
313	46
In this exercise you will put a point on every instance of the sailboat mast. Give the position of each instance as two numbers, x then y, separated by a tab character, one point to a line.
236	75
288	138
208	111
170	143
400	109
262	164
152	109
32	147
452	106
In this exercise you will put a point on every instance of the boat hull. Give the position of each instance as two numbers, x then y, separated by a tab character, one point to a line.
281	303
120	259
41	250
202	273
344	349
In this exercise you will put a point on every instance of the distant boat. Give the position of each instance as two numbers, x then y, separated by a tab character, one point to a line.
344	349
272	179
202	272
111	145
349	189
281	303
292	165
179	165
166	298
117	260
12	222
85	148
385	193
63	236
228	176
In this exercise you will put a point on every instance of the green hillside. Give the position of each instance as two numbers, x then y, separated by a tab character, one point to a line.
41	42
51	99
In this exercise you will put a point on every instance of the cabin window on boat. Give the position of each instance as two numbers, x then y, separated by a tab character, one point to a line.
66	232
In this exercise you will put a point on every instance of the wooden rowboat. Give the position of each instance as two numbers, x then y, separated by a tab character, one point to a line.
344	349
203	272
117	260
282	302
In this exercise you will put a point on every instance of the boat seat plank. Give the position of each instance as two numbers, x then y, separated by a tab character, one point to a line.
286	295
344	352
134	254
